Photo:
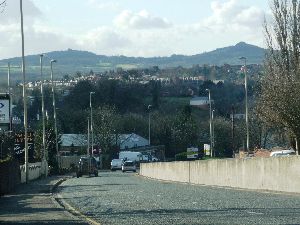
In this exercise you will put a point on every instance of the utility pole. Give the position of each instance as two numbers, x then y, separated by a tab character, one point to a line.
24	95
92	128
88	141
232	131
213	132
149	125
10	98
43	108
246	99
210	124
54	106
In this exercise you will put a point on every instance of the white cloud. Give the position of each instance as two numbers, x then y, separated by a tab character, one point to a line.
11	12
102	5
141	20
134	33
103	40
230	15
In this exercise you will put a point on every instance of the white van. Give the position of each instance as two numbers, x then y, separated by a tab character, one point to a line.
282	153
130	156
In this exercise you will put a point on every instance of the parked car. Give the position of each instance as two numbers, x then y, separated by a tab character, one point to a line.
87	165
154	159
129	166
116	164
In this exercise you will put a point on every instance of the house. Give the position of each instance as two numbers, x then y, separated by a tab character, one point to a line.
72	143
201	102
238	116
128	141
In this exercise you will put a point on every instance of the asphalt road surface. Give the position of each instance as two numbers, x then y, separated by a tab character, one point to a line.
127	199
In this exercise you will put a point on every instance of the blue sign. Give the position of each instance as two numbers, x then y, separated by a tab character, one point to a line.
1	105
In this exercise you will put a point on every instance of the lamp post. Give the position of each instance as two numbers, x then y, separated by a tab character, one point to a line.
149	124
43	108
210	123
246	99
24	94
92	128
54	105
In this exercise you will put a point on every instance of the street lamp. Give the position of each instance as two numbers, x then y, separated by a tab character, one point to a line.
210	123
24	95
246	96
54	105
92	128
149	127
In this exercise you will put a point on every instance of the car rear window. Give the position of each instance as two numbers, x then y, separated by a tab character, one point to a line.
129	164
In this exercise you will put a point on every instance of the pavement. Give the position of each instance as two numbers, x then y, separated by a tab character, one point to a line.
35	203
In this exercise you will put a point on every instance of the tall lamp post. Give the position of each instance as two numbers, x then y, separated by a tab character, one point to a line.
92	128
54	105
210	123
246	99
149	124
24	94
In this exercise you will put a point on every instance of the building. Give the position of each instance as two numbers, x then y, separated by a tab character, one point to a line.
73	143
201	102
129	141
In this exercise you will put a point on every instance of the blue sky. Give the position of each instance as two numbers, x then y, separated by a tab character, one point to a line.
132	27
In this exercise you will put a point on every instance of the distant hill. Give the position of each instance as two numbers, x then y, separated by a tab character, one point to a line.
70	61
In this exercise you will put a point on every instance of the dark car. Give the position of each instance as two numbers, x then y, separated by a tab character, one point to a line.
86	166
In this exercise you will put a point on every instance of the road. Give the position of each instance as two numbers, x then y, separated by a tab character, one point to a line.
128	199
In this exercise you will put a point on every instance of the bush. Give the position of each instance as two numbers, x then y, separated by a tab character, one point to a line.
181	156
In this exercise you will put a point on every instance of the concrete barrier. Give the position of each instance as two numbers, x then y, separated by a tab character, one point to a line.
275	173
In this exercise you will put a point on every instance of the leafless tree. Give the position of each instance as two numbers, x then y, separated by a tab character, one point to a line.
2	5
280	102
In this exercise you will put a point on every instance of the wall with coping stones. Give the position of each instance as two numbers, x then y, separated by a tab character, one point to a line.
274	173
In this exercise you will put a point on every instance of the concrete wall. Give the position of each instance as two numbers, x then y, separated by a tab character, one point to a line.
65	162
36	170
9	176
275	173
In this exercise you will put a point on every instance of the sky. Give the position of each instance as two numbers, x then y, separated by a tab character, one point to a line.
131	27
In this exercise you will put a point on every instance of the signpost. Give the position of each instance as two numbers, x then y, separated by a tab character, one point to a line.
207	149
4	112
192	153
19	147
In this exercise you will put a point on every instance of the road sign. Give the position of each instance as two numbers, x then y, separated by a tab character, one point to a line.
192	153
19	147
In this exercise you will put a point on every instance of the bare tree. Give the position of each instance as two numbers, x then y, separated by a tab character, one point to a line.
2	5
280	102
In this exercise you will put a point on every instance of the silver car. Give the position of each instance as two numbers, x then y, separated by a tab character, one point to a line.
129	166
